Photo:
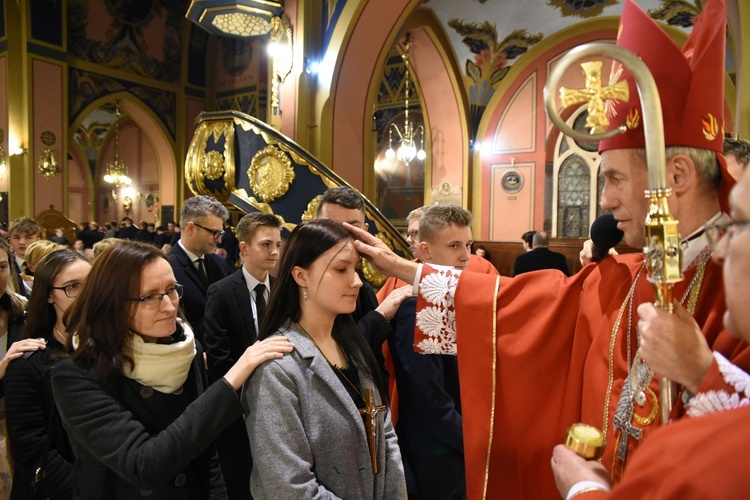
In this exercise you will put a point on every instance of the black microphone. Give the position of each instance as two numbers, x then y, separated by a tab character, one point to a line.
605	235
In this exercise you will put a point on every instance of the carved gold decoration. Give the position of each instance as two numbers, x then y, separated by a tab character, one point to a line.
213	166
270	173
312	208
595	94
201	165
262	207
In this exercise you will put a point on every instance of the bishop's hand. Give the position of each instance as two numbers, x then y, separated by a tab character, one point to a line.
570	469
382	257
673	346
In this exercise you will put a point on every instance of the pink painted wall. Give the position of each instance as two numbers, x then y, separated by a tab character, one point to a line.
351	112
48	104
77	188
143	166
511	116
441	104
162	147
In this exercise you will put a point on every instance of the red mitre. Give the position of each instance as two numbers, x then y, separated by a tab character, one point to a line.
690	83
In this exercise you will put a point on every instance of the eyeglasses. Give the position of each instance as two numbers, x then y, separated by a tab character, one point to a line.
71	290
715	232
155	299
412	234
216	234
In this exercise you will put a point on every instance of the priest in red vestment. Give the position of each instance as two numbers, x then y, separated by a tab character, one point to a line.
706	454
540	352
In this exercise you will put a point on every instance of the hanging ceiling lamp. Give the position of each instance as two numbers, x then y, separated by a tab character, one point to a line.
239	19
117	170
411	139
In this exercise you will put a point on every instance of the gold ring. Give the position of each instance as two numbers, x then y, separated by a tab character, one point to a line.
265	349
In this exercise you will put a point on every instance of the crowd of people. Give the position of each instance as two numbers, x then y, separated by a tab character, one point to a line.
140	361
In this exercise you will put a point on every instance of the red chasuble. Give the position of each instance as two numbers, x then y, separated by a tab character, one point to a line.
538	353
705	457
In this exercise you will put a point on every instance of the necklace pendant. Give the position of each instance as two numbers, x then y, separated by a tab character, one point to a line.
640	398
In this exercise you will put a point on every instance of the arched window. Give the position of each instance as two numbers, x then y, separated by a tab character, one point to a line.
576	190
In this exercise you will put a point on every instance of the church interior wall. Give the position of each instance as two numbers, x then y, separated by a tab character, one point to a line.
372	37
178	71
47	101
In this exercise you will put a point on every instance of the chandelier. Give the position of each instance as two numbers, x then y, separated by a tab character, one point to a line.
47	164
411	139
117	170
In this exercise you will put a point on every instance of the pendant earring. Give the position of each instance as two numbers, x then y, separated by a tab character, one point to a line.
304	294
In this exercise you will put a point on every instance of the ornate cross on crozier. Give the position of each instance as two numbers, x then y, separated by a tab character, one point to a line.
369	414
594	94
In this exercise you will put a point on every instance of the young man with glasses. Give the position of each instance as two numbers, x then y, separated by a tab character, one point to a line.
192	259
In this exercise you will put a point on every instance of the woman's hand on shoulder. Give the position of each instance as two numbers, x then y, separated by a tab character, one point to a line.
17	349
270	348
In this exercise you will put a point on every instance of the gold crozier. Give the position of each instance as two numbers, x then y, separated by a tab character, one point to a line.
595	94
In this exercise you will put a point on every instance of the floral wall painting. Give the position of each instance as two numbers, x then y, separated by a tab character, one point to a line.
581	8
491	58
681	13
684	13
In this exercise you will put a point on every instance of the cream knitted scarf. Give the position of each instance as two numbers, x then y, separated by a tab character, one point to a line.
164	367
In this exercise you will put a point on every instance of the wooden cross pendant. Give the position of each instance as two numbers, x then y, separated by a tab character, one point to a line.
370	413
595	94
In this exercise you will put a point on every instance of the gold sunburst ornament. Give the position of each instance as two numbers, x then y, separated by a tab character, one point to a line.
213	166
270	173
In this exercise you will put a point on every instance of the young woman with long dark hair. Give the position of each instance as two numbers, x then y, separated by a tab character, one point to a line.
304	411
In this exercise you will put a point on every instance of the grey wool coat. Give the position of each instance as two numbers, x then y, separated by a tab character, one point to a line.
307	436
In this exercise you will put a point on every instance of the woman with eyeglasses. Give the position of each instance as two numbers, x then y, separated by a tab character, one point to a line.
317	419
33	423
133	395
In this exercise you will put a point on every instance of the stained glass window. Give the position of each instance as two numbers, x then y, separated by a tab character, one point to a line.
573	198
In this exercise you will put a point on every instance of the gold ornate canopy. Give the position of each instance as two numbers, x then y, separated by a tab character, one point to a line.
250	167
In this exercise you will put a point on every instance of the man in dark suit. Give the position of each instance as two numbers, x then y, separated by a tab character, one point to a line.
429	425
230	243
194	265
540	257
235	307
127	229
